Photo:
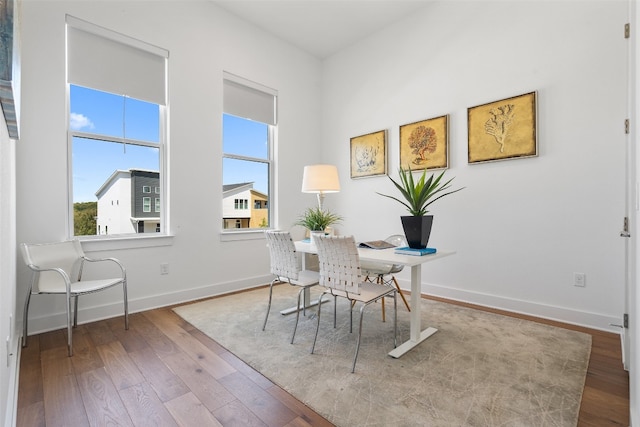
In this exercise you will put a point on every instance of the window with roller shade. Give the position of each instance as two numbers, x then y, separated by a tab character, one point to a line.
249	121
117	138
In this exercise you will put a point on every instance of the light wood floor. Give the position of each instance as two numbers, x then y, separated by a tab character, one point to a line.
164	372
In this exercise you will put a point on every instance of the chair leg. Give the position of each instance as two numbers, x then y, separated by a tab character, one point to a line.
126	305
297	314
313	346
351	318
335	310
380	281
395	319
25	318
75	311
264	325
355	357
401	294
69	327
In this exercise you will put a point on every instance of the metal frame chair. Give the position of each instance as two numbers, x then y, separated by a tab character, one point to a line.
57	269
381	271
341	276
285	266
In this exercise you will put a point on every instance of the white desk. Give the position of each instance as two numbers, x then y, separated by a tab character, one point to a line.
387	256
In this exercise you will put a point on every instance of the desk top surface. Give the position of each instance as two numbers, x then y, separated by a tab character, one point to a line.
383	255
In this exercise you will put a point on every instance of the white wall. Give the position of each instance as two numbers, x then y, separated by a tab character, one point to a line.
634	294
203	40
8	332
522	227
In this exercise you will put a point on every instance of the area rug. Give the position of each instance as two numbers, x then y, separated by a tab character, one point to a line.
479	369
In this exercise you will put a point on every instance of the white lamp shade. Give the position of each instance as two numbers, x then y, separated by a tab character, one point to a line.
320	179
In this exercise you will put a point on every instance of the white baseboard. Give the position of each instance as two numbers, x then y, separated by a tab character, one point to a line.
11	414
561	314
91	314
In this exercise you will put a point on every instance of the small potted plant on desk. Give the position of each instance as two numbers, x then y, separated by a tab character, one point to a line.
418	196
316	220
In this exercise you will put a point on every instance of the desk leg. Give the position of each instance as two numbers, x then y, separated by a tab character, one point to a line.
416	334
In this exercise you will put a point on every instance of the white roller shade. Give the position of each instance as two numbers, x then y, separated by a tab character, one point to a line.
104	60
247	101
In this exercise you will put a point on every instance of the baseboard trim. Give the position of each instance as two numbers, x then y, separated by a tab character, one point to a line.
91	314
590	320
11	415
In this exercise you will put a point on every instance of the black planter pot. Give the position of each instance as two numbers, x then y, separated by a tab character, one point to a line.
417	230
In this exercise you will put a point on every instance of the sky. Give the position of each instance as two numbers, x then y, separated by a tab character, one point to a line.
106	114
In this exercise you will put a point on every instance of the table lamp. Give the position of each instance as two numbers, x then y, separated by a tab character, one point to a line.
320	179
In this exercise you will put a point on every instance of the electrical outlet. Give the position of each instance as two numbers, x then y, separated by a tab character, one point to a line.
579	279
164	268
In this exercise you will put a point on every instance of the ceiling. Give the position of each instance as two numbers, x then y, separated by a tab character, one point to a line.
321	27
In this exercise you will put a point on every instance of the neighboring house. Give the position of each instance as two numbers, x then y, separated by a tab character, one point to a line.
244	207
129	202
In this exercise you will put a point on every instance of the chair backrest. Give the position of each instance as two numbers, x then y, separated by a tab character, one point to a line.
65	255
399	241
339	263
282	250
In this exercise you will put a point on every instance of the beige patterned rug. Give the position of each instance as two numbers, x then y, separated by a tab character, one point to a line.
479	369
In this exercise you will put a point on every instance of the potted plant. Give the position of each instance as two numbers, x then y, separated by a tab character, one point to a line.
316	220
418	196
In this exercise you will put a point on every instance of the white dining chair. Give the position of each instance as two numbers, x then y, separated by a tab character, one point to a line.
286	268
385	273
56	268
341	276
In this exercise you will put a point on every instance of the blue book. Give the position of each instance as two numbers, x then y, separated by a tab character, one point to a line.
406	250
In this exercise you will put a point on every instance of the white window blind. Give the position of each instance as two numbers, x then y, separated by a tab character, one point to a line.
111	62
249	100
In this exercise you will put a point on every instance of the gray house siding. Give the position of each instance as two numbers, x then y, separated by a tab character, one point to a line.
139	180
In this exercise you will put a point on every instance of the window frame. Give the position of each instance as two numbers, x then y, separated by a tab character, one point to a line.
231	234
161	145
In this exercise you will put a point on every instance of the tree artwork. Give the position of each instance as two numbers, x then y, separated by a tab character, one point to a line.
499	123
423	141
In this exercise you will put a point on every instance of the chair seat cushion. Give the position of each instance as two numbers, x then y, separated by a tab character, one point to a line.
368	292
82	287
374	269
306	278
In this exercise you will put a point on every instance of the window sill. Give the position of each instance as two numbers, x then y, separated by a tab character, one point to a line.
233	236
125	242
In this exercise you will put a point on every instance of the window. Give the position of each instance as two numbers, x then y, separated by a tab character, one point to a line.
248	129
117	98
241	204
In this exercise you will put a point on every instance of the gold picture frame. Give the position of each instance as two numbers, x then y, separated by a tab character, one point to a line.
503	130
369	154
425	144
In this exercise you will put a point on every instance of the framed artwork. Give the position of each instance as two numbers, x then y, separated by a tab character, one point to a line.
369	154
425	144
502	130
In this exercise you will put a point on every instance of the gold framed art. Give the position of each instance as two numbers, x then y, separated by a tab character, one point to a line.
369	154
503	130
425	144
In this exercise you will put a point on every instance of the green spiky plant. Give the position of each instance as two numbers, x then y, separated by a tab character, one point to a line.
316	219
420	194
